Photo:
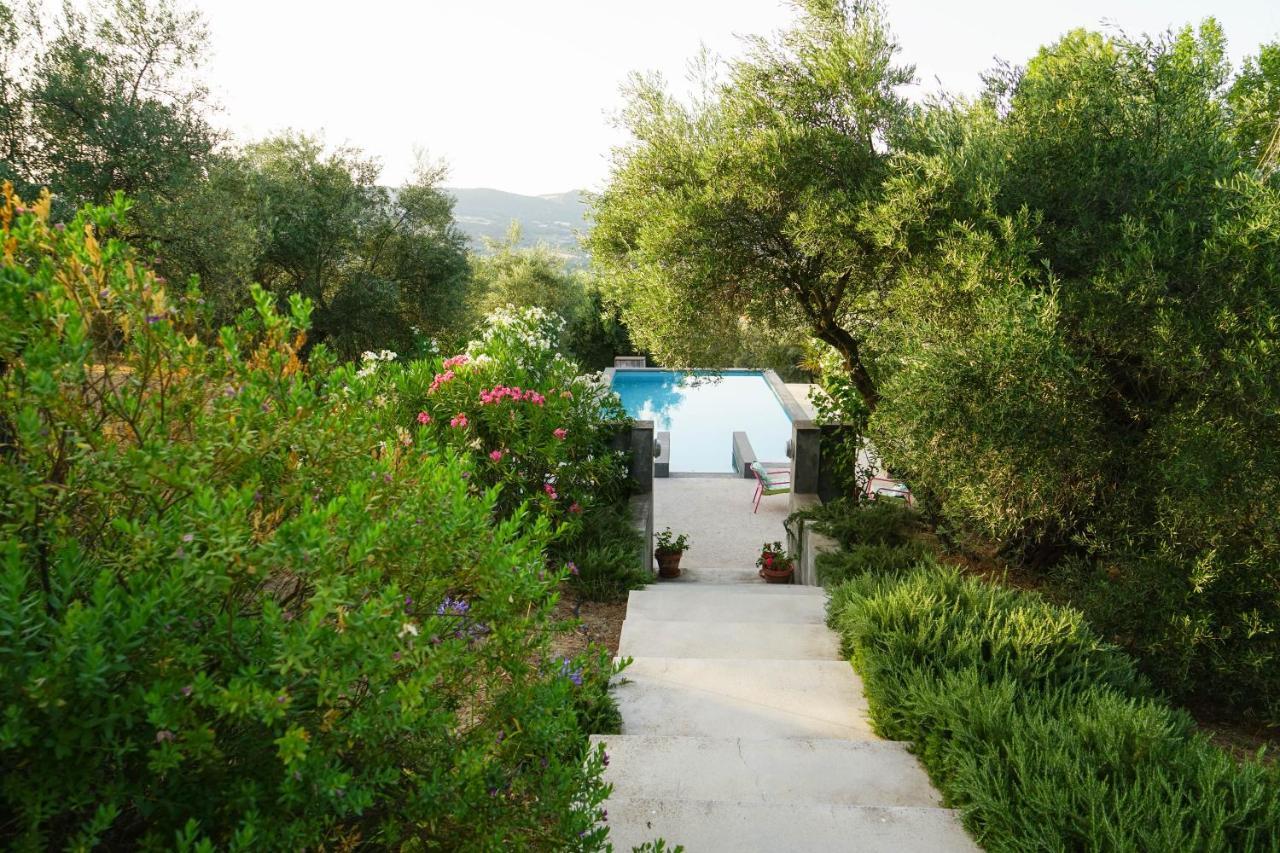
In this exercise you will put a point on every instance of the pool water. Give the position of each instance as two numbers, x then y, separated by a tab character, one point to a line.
703	410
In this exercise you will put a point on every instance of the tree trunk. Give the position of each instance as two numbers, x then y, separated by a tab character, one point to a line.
847	345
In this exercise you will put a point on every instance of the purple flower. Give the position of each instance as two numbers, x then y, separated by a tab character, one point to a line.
573	568
571	672
59	227
188	537
186	691
408	602
280	700
153	318
453	607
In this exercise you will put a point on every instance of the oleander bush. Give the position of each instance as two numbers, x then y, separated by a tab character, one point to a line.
529	424
247	601
1045	736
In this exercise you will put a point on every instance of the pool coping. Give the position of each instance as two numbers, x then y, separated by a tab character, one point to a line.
744	456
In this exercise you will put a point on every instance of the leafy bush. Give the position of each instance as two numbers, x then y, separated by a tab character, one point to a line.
605	558
855	521
836	567
532	427
1041	733
240	606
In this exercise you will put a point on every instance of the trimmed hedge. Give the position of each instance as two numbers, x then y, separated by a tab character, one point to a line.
1040	732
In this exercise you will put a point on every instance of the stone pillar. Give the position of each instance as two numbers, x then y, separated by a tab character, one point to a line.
638	442
642	455
806	457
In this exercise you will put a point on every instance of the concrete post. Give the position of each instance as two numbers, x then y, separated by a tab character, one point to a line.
806	457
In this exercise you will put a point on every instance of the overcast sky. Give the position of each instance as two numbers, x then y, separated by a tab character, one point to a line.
518	94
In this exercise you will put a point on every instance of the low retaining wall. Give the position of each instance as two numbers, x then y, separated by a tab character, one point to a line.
805	542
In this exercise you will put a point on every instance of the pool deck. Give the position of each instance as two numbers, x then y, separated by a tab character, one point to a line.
715	512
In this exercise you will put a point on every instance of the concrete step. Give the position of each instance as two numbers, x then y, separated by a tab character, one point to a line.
795	770
709	826
744	640
742	580
725	604
701	697
743	577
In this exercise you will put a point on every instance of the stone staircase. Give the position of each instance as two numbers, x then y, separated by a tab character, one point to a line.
743	730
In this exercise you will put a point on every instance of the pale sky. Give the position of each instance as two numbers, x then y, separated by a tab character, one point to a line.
518	95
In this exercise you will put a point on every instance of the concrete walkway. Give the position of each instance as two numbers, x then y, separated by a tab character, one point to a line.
743	730
716	513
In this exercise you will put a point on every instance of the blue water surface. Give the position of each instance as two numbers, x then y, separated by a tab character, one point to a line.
702	411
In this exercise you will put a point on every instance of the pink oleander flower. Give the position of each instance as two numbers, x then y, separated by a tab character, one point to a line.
550	490
456	361
560	433
424	418
575	508
496	456
440	379
459	421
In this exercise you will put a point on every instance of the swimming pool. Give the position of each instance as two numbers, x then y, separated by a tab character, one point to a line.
703	409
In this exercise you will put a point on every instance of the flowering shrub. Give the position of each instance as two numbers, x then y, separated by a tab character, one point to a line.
254	602
528	425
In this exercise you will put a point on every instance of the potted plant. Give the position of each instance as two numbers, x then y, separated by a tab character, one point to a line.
670	548
776	565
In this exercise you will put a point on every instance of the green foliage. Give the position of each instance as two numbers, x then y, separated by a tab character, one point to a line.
1254	101
853	521
605	558
1084	352
747	203
238	608
108	98
1052	309
378	264
836	567
1043	735
532	427
102	98
671	543
506	276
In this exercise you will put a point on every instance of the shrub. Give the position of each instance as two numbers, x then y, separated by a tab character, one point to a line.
604	560
855	521
836	567
238	607
529	425
1043	735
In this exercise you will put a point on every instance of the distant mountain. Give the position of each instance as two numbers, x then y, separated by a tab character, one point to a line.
552	219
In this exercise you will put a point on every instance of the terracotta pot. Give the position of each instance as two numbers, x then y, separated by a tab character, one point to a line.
778	575
668	563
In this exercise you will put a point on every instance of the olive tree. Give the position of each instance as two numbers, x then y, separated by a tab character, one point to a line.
742	212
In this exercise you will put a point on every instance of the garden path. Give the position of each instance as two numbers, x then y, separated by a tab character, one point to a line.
742	727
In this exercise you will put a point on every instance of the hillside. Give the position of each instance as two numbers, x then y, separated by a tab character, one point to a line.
552	219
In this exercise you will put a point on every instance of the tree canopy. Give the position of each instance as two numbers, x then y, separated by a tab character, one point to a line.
1059	301
742	212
